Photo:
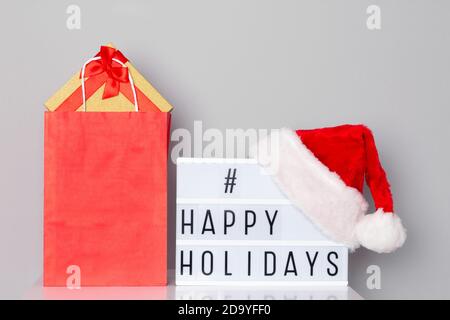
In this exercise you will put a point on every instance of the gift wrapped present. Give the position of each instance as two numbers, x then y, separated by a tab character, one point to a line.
107	87
105	178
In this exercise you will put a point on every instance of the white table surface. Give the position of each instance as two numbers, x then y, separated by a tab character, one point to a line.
172	292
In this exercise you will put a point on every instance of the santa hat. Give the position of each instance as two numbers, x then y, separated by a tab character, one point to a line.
322	172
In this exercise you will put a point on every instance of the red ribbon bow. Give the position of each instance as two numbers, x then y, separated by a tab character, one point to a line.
115	75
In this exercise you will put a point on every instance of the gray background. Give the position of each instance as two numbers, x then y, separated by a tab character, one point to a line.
247	64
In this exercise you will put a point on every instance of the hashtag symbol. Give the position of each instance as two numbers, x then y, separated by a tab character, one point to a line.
230	181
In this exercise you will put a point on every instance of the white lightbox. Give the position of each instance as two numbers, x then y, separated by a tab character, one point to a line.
234	226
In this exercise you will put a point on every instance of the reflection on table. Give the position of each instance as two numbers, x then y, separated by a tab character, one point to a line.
172	292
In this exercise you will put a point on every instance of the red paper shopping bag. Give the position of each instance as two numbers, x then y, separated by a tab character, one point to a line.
105	197
105	178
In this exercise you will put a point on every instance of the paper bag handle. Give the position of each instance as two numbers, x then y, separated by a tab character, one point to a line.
83	90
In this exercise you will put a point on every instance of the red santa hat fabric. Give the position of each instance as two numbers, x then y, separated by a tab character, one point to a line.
322	171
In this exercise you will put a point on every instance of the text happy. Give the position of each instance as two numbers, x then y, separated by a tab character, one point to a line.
210	225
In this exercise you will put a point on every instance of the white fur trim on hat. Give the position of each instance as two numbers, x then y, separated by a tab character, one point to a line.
320	194
381	231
